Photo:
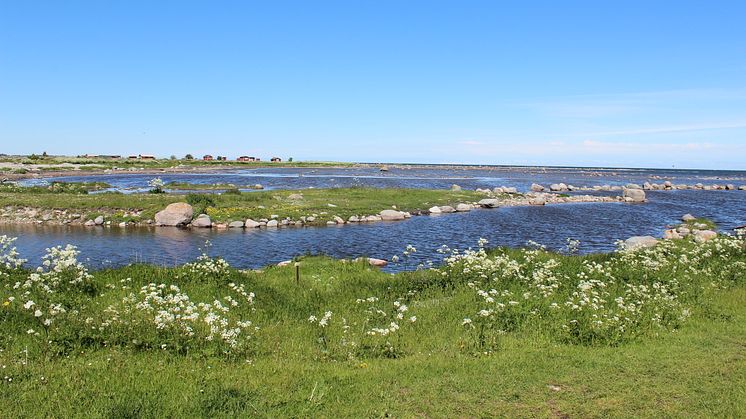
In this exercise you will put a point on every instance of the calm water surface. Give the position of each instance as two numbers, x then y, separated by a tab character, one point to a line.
596	225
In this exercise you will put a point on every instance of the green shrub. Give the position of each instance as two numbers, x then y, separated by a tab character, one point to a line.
200	202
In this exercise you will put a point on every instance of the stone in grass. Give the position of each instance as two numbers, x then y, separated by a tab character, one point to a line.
99	220
640	242
702	236
377	262
671	234
373	261
176	214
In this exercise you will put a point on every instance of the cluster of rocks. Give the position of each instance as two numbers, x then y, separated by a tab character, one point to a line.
181	214
699	232
665	186
25	215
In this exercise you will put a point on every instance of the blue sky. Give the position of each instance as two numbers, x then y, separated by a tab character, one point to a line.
640	84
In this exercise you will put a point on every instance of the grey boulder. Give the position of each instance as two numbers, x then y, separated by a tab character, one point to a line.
489	203
640	242
176	214
634	195
202	221
391	215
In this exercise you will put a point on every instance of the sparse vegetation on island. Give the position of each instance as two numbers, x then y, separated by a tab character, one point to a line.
324	203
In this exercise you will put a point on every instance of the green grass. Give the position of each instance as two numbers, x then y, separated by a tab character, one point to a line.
696	368
228	207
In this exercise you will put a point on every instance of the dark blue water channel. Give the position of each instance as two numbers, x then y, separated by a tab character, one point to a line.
596	225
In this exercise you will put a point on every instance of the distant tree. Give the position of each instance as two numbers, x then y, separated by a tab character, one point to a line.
188	157
44	154
290	159
173	157
34	157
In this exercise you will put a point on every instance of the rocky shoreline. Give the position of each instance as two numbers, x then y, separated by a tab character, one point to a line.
181	214
690	226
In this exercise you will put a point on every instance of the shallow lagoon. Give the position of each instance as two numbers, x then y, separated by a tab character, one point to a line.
597	226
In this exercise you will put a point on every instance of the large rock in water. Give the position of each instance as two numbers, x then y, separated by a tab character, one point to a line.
391	215
177	214
634	195
536	187
640	242
463	207
251	223
202	221
558	187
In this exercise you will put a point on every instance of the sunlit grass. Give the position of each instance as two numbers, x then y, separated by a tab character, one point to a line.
431	366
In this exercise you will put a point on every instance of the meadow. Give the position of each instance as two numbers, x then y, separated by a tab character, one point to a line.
493	332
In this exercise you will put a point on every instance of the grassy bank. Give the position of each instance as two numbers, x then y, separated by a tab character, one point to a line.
323	204
658	332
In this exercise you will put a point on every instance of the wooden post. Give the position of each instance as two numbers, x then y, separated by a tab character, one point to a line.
297	273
